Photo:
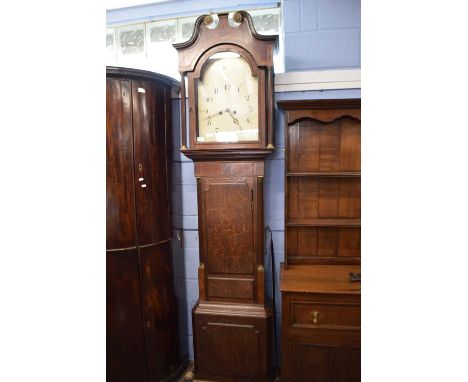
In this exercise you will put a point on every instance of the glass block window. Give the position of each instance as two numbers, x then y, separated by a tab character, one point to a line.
132	41
110	47
162	31
266	21
131	45
142	45
186	26
160	35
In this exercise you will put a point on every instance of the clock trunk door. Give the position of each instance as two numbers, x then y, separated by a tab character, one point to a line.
228	242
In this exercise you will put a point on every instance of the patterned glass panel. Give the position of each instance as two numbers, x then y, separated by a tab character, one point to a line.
162	31
110	47
132	40
186	26
266	21
110	40
160	37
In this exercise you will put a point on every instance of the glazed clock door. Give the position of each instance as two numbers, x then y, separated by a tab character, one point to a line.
227	96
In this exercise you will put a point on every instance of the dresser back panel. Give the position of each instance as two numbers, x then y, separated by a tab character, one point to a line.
323	182
317	146
315	197
309	243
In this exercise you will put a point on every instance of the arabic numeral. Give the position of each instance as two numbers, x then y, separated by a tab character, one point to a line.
247	97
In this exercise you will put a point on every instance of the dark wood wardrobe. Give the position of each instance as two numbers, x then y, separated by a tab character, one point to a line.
142	343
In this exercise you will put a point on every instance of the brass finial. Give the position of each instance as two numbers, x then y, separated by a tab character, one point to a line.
237	17
208	19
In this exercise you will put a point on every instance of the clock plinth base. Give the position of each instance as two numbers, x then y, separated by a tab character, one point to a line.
232	342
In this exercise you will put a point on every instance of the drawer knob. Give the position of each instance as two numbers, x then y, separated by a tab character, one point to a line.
315	317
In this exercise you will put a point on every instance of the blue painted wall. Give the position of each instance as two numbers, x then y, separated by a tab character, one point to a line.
318	34
321	34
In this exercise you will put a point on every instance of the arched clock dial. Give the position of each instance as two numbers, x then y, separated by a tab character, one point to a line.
227	100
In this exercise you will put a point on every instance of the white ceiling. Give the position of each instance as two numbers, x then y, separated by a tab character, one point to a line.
115	4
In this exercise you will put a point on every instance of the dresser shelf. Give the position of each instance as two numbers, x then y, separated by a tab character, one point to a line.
340	174
323	223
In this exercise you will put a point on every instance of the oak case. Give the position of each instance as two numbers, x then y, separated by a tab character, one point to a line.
232	319
321	307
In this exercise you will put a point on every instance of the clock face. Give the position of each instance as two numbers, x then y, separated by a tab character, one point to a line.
227	100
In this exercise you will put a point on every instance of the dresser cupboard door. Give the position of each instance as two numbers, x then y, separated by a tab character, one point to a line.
316	362
352	364
320	362
151	179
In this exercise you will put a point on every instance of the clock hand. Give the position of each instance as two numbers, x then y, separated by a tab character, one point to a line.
213	115
235	120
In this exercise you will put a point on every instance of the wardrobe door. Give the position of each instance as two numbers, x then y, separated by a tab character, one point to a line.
126	359
120	196
159	309
153	227
151	180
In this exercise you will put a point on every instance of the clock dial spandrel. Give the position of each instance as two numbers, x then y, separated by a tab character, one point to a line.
227	100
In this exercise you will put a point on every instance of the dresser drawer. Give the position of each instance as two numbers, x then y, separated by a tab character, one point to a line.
325	315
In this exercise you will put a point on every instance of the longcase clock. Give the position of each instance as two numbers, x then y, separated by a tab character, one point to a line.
228	102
